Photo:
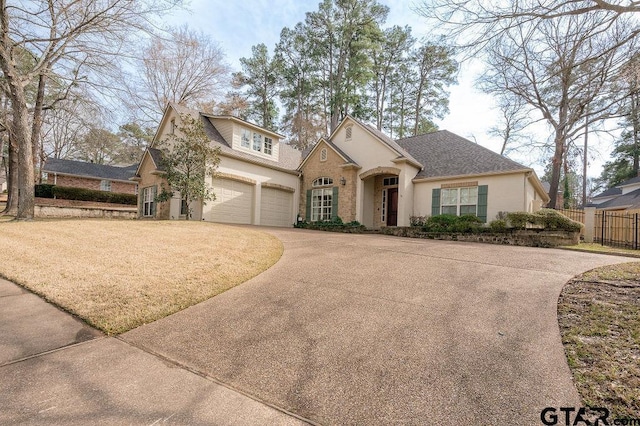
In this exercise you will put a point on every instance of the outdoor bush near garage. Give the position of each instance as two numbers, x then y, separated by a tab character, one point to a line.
545	228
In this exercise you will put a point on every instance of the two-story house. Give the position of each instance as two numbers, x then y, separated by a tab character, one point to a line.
256	181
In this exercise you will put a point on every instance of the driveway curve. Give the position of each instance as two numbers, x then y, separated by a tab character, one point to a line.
370	329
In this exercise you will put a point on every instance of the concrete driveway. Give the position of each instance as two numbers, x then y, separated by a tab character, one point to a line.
369	329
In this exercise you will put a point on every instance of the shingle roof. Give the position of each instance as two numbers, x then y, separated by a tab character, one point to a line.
443	153
339	151
156	155
630	181
609	192
629	200
91	170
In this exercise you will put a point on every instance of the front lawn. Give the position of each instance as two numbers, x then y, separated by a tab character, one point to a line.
599	316
117	275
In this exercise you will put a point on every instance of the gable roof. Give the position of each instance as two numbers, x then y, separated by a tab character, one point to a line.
307	153
386	140
89	170
443	154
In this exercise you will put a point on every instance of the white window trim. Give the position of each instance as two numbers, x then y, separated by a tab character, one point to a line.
322	181
245	143
268	146
148	201
105	185
321	204
458	205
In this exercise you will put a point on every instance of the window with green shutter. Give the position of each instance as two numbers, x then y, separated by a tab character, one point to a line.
435	202
483	191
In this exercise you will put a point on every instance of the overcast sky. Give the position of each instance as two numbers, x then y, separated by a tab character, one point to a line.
239	25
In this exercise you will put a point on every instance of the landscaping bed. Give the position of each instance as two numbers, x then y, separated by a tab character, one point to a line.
599	317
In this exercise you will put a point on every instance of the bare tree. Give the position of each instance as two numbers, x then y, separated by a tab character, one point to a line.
564	69
186	68
477	23
71	40
514	120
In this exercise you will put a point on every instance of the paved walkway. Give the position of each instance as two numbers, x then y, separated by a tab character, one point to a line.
345	329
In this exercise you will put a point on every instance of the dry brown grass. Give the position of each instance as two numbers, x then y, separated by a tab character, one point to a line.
599	316
118	275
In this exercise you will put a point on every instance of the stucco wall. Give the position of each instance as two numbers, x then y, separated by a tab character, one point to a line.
314	168
505	192
258	175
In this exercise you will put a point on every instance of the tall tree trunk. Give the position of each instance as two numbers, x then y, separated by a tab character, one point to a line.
11	208
36	125
26	181
558	155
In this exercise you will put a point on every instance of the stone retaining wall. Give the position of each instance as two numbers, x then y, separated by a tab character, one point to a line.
86	212
526	237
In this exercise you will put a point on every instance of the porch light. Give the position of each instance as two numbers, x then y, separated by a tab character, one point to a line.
343	181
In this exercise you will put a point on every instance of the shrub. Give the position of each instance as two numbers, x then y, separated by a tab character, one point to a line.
70	193
451	223
44	190
544	218
498	225
551	219
417	220
519	220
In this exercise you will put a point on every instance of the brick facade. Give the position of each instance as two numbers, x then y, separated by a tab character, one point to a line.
149	177
89	183
331	167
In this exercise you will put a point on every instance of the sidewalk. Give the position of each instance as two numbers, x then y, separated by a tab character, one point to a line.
54	369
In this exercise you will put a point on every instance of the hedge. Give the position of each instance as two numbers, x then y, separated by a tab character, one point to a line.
82	194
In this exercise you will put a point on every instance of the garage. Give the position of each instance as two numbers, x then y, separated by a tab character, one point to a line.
276	207
233	203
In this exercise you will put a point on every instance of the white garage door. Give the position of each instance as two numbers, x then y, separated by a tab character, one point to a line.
275	207
234	201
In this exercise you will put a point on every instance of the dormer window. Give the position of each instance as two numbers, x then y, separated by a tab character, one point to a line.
257	142
245	138
348	132
268	145
323	154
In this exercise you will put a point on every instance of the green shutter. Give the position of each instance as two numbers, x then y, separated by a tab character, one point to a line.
307	213
435	201
334	203
482	202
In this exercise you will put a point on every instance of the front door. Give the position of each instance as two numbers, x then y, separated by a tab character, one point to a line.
392	207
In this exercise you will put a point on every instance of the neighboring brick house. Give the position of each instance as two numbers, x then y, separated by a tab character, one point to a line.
80	174
356	173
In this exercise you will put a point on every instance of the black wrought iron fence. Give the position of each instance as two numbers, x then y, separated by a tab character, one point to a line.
617	229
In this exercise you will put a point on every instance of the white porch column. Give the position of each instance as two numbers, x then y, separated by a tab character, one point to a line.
359	200
589	223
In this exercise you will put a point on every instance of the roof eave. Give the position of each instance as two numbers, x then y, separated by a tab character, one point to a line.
258	163
415	164
243	122
465	176
533	178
